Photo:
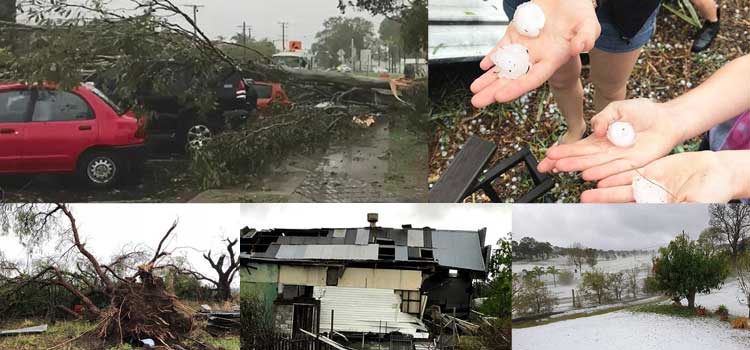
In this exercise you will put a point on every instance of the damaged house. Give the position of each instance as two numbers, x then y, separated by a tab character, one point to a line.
369	280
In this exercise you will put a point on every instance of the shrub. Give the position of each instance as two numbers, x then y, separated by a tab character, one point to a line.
565	278
594	286
741	323
722	312
650	285
700	311
533	297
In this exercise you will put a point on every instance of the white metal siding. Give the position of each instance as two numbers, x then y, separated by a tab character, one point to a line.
365	310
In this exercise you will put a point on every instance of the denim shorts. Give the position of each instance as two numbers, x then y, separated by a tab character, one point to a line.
610	39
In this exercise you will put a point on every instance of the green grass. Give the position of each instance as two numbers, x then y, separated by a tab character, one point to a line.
638	308
56	334
567	318
227	343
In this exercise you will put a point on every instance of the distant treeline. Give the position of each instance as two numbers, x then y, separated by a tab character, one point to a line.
528	248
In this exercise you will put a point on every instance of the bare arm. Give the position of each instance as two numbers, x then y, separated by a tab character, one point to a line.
724	95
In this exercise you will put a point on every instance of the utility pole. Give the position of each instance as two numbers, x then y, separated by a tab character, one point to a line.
284	25
195	16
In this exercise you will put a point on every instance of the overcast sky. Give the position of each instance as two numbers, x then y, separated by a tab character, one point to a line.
224	17
108	228
619	227
495	217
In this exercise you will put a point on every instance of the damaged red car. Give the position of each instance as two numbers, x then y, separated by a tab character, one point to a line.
80	131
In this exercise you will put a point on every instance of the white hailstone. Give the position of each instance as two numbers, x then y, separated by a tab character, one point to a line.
529	19
511	61
621	134
647	191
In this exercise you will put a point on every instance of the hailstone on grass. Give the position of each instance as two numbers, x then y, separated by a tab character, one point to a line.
529	19
511	61
648	191
621	134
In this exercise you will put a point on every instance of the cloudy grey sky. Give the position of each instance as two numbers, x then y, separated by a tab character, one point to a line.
495	217
608	226
109	228
225	17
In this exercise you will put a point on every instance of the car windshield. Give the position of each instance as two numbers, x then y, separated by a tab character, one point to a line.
264	91
119	110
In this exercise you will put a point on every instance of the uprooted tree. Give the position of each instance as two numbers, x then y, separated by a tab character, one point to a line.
125	298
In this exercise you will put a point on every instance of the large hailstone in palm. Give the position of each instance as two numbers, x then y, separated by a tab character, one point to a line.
511	61
621	134
648	191
529	19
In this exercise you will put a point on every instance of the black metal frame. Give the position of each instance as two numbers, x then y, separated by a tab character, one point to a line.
542	182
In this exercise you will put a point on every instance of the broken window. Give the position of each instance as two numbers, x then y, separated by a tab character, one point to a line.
296	291
332	276
386	252
427	254
411	301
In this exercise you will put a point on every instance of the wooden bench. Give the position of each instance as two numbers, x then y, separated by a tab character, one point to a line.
465	175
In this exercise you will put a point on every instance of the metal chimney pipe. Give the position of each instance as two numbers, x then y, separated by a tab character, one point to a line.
372	218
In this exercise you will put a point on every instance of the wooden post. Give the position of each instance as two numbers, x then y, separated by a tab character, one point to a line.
574	297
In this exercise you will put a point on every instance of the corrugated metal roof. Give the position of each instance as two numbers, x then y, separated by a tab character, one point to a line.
458	249
415	238
329	251
464	30
363	236
365	310
402	253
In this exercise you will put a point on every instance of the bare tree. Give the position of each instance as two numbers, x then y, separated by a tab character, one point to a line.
226	267
733	221
577	256
631	281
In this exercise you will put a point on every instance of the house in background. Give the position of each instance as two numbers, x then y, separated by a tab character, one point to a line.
368	280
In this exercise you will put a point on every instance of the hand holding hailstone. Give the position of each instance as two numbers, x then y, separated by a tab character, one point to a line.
513	61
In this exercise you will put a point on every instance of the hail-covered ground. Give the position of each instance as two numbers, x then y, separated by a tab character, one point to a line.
728	295
564	292
625	330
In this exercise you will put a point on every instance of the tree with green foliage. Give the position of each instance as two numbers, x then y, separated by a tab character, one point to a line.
338	34
685	268
243	49
532	297
414	31
594	285
411	14
537	272
66	42
552	270
500	285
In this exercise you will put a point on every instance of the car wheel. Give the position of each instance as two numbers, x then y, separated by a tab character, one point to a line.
99	169
197	137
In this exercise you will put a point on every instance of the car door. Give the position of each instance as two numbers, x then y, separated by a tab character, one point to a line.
15	106
62	126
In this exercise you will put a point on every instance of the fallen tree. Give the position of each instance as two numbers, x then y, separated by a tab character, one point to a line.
132	302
